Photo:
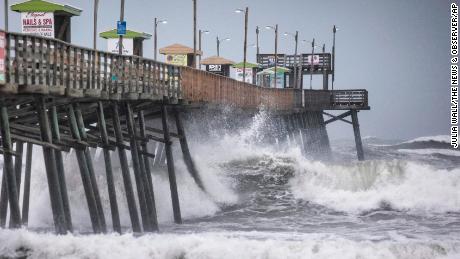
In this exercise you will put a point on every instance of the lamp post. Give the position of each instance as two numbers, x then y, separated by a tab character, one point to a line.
245	45
257	41
219	41
275	28
194	34
155	37
296	38
200	33
122	17
334	30
6	15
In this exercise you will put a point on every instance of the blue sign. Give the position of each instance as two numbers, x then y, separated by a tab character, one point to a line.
121	27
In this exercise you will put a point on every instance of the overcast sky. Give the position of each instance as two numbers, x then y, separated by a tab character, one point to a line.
398	50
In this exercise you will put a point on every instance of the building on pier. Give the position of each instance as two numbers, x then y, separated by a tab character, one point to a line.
217	65
179	55
132	41
251	71
47	19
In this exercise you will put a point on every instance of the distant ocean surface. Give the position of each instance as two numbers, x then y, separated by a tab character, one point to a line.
267	200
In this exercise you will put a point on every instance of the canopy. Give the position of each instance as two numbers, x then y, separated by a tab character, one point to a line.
129	34
45	6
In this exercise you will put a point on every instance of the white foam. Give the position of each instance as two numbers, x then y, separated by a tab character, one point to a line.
439	138
364	186
431	151
219	245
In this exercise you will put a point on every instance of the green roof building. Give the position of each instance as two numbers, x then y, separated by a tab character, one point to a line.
132	41
54	18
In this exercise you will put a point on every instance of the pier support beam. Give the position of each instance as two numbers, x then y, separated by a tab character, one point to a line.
358	141
170	164
140	177
147	170
51	170
9	179
60	169
84	172
125	171
108	169
26	192
186	151
92	173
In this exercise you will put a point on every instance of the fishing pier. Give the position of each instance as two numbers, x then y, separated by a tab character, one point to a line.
62	98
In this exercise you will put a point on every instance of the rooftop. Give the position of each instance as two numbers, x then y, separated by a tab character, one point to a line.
215	60
129	34
45	6
178	49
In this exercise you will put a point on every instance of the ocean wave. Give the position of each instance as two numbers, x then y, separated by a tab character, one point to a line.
220	245
431	151
439	138
361	187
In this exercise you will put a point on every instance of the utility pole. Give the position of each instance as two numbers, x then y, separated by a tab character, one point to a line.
155	39
122	17
296	37
311	62
257	40
200	34
334	30
6	15
96	4
245	42
194	34
218	43
276	52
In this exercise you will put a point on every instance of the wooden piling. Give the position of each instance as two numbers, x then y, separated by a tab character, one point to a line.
3	199
89	194
358	141
89	163
60	168
138	174
11	186
125	170
170	164
147	169
108	169
51	170
18	170
186	151
26	192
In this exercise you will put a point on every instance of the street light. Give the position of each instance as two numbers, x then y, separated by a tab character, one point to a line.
257	40
6	15
246	14
155	37
296	38
313	46
275	28
122	18
219	41
334	30
194	34
200	33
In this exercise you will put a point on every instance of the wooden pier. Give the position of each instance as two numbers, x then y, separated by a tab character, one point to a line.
60	97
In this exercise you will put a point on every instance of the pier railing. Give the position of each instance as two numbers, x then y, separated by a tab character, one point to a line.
38	65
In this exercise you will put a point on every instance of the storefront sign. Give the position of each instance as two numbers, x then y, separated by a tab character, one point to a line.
112	46
315	60
178	60
38	23
239	75
215	68
2	57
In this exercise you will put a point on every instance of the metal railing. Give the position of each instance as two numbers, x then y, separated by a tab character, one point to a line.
336	99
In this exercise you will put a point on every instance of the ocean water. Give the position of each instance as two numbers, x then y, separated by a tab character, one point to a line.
268	200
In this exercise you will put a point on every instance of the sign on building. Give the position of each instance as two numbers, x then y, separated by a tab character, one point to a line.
315	59
2	57
121	27
239	75
177	59
112	46
38	23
